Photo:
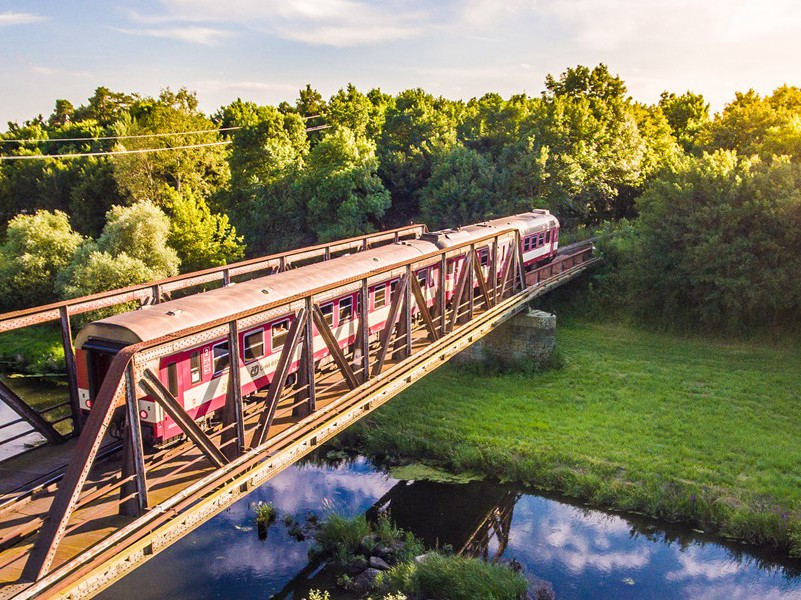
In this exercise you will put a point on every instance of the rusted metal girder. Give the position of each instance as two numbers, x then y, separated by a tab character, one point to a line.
233	420
153	386
133	461
33	418
70	487
422	306
69	363
220	488
279	378
333	347
461	284
389	326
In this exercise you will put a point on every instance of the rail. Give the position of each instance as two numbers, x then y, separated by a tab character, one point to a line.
322	401
154	292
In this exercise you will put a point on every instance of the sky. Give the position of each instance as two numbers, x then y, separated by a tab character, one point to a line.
265	50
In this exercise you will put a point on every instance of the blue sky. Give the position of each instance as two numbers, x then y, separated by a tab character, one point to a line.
265	50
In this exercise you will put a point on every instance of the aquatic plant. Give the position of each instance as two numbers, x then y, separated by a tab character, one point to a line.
265	513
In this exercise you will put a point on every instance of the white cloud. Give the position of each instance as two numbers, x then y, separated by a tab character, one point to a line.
50	72
339	23
205	36
18	18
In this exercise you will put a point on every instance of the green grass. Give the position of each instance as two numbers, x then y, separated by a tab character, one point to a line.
455	578
680	428
33	350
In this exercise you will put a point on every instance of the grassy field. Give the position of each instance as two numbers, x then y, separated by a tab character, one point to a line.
679	428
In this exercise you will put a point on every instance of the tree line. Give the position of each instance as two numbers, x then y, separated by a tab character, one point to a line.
703	200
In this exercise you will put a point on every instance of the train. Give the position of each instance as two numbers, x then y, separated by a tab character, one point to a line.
197	377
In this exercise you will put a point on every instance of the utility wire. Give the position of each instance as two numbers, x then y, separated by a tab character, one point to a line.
132	137
135	151
139	150
117	137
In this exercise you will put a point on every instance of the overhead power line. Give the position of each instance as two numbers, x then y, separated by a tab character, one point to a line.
136	150
134	137
117	153
118	137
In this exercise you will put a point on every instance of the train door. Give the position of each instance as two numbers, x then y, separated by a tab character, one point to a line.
99	355
99	363
171	377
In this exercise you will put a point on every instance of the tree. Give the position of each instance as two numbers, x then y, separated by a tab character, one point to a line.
201	238
105	106
461	190
144	176
356	111
581	150
417	127
752	124
491	123
36	248
94	271
688	116
345	195
62	113
717	244
141	231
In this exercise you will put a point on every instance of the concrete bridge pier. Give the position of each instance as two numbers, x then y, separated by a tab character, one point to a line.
525	342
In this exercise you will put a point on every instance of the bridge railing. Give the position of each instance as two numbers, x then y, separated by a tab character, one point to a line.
152	293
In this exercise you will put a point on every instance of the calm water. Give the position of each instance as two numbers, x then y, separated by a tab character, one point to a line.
581	553
31	389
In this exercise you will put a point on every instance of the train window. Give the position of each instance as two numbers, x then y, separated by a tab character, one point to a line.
422	277
547	237
278	332
172	379
526	244
253	343
221	358
328	313
379	296
542	239
345	309
195	371
483	257
451	266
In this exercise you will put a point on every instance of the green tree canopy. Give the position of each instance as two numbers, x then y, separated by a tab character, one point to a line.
345	195
716	243
461	190
417	127
36	248
688	116
201	238
141	231
144	176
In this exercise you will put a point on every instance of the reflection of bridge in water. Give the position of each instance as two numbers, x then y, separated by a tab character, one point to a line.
474	519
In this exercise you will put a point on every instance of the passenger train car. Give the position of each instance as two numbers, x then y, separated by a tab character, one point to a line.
198	377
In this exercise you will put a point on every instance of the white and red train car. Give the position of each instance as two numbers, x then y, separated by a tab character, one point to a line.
198	377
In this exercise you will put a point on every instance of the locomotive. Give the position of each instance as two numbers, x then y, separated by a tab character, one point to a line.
198	377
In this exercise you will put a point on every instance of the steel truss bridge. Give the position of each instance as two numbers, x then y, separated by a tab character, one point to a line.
82	510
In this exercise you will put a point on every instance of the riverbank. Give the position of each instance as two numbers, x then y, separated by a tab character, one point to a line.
682	429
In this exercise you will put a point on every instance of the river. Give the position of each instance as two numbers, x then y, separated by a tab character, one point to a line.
576	551
43	392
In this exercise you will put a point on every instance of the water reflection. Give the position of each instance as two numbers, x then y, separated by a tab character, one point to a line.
581	553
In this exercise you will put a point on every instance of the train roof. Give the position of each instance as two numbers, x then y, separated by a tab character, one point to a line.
525	223
165	318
